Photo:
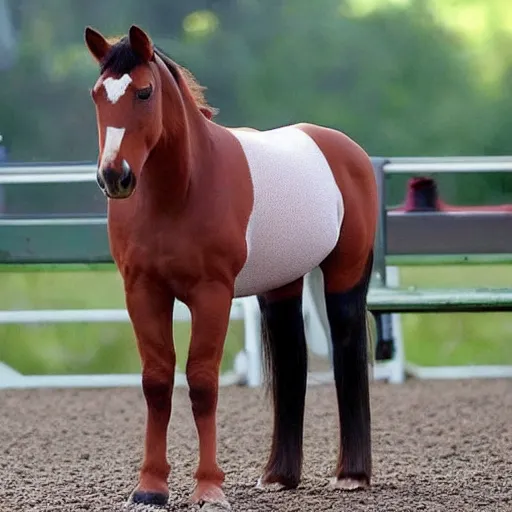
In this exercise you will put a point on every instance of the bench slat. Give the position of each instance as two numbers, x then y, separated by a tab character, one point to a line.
444	300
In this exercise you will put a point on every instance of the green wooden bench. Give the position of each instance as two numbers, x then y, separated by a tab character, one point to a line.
439	238
435	238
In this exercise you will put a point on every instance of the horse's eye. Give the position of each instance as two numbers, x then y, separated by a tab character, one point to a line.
144	94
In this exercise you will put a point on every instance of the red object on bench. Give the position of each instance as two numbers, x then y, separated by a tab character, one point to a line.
423	196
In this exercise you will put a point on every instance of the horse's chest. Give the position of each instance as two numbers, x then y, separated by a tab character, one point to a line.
297	212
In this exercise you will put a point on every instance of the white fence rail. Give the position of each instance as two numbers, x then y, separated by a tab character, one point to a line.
82	173
247	364
443	165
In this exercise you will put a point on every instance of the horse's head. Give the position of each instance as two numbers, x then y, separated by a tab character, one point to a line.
128	98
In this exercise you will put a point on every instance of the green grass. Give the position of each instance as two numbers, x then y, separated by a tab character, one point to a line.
462	338
80	348
430	339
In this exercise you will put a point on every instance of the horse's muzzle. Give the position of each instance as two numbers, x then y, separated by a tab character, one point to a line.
116	184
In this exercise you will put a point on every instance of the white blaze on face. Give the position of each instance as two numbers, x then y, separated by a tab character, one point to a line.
116	87
113	139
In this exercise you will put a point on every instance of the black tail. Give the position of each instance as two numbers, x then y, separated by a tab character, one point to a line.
267	353
285	360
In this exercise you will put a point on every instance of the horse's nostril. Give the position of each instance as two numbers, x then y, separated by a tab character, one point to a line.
126	180
100	181
127	176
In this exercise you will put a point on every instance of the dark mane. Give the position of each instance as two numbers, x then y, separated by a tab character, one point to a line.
181	73
122	59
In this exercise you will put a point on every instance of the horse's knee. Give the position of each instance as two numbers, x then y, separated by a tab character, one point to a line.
157	389
203	386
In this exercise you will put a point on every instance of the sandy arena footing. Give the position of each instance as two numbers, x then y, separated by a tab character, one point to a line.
437	446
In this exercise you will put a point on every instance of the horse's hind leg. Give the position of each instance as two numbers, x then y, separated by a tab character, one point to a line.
285	354
346	310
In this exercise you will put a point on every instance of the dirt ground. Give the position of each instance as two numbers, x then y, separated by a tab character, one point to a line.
438	446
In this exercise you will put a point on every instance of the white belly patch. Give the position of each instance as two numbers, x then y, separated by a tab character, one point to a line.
297	213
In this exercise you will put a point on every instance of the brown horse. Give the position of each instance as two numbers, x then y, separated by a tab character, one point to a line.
202	213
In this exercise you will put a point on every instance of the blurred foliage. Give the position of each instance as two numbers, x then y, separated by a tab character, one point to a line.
402	77
417	77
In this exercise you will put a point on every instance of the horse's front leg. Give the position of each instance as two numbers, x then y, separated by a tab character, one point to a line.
210	309
150	308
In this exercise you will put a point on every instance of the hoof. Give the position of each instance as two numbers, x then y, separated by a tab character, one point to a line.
272	482
215	507
263	485
348	484
210	497
158	499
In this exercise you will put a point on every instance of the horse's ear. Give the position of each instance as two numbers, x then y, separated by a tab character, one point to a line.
141	43
98	46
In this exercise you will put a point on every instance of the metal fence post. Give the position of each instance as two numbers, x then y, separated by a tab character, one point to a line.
385	346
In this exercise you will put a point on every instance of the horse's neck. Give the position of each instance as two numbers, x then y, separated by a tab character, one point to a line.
169	169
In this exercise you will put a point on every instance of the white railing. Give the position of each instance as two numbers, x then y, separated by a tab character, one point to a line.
51	173
82	173
443	165
247	363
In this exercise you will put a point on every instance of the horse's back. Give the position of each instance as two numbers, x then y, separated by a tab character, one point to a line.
297	212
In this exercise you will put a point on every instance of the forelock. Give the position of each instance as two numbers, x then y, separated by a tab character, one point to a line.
120	59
